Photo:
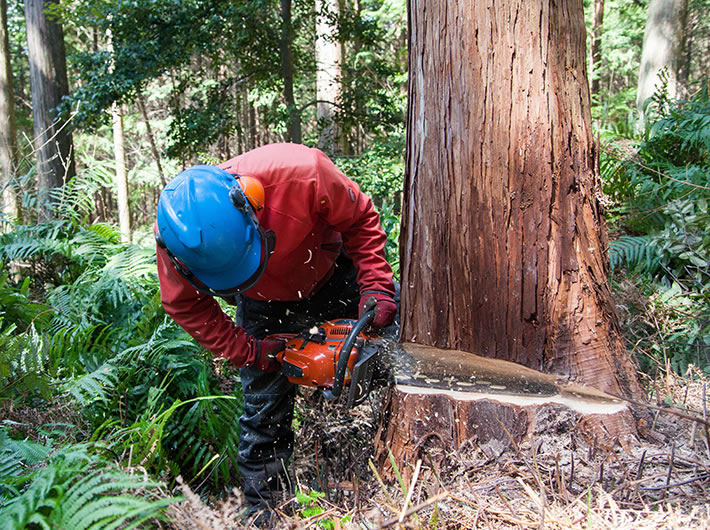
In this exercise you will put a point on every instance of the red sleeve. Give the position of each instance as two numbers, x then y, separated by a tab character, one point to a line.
349	211
201	316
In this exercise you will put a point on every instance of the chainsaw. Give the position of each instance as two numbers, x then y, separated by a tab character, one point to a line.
332	355
341	352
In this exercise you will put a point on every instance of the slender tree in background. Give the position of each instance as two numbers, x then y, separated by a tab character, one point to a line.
662	48
140	101
503	246
8	127
119	150
328	57
597	27
48	80
285	43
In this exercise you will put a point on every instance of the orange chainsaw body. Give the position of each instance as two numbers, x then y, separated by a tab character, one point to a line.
310	359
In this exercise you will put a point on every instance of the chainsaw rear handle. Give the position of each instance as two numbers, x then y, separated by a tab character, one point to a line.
333	393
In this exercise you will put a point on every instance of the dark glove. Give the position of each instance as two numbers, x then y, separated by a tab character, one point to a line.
264	357
385	308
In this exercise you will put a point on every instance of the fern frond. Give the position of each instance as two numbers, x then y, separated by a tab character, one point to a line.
93	247
65	495
634	251
18	458
134	263
24	509
23	249
92	499
15	304
23	361
200	437
77	197
106	231
94	386
75	350
165	338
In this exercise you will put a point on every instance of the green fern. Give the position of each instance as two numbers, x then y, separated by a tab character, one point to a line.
111	293
634	252
76	350
135	264
94	386
23	361
29	241
16	307
101	499
77	489
16	458
95	244
142	441
206	435
75	199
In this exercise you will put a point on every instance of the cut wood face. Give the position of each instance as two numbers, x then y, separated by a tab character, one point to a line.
466	376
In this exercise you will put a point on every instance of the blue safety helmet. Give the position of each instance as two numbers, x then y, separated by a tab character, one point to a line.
210	232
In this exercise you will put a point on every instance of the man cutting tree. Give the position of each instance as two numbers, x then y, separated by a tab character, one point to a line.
285	235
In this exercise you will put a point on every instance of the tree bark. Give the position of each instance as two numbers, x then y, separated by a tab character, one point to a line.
151	139
294	118
328	57
8	128
503	245
119	152
661	49
685	58
48	80
597	28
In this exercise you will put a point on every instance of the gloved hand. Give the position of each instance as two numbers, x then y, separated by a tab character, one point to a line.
385	308
264	355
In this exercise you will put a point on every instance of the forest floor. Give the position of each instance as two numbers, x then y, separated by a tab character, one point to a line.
554	479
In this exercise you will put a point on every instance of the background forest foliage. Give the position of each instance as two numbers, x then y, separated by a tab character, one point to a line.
98	385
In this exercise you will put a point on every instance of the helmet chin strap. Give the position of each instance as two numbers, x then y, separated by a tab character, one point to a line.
268	243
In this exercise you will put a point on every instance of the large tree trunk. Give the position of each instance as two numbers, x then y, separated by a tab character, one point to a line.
661	49
48	79
503	245
8	127
328	57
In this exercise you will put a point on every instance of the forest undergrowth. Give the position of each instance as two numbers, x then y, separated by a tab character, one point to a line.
555	478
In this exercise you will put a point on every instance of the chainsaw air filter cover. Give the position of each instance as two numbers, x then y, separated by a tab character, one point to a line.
310	359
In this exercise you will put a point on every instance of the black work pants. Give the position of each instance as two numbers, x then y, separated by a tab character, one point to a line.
266	440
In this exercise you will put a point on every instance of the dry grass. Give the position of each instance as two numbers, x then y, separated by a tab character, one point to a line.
554	479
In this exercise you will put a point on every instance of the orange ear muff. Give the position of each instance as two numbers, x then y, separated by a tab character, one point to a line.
253	191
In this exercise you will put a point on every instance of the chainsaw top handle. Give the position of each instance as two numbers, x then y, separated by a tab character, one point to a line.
364	321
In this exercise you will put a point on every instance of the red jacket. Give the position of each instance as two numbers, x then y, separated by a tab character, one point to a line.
313	208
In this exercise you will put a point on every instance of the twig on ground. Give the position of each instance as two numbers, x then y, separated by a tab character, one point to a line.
505	501
538	500
434	471
639	469
381	482
318	517
415	509
705	417
670	410
410	492
704	476
670	468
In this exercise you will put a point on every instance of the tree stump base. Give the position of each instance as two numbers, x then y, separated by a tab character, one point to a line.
418	418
